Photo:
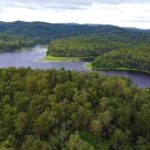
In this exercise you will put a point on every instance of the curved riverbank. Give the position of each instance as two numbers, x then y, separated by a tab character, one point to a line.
90	67
28	58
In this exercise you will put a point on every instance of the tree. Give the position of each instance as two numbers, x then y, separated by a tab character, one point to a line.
119	140
44	123
21	123
97	128
143	122
76	143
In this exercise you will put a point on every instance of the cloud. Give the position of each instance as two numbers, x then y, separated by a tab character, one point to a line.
131	13
62	4
45	4
141	19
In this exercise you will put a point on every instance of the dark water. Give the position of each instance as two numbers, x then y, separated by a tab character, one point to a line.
30	57
141	79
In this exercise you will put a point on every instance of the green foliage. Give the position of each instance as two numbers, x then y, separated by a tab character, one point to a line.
54	58
75	142
115	51
13	42
97	142
82	46
44	32
69	110
134	58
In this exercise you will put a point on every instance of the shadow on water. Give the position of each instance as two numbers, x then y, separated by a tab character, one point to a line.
140	78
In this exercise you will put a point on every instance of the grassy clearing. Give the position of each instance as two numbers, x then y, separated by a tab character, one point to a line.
88	66
54	58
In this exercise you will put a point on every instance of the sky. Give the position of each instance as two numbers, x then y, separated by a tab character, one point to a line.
125	13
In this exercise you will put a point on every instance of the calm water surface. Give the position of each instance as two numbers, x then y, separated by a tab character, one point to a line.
30	57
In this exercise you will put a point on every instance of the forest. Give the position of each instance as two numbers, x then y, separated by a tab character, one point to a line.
18	34
70	110
14	42
135	58
114	51
44	32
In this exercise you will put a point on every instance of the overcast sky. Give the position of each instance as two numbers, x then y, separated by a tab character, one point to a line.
130	13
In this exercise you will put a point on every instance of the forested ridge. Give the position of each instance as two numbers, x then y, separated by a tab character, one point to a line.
18	34
44	32
128	51
68	110
13	42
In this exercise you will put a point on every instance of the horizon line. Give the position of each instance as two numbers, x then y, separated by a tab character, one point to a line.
77	23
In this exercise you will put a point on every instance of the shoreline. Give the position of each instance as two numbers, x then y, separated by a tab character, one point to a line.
50	58
89	67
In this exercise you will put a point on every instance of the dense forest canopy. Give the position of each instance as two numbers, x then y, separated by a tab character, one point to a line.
137	57
68	110
13	42
18	34
131	51
44	32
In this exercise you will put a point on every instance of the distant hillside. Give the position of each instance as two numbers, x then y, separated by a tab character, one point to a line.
18	34
10	42
44	32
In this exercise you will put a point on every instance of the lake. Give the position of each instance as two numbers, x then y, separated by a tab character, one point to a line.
29	57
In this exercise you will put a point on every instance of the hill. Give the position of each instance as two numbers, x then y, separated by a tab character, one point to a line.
18	34
44	32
